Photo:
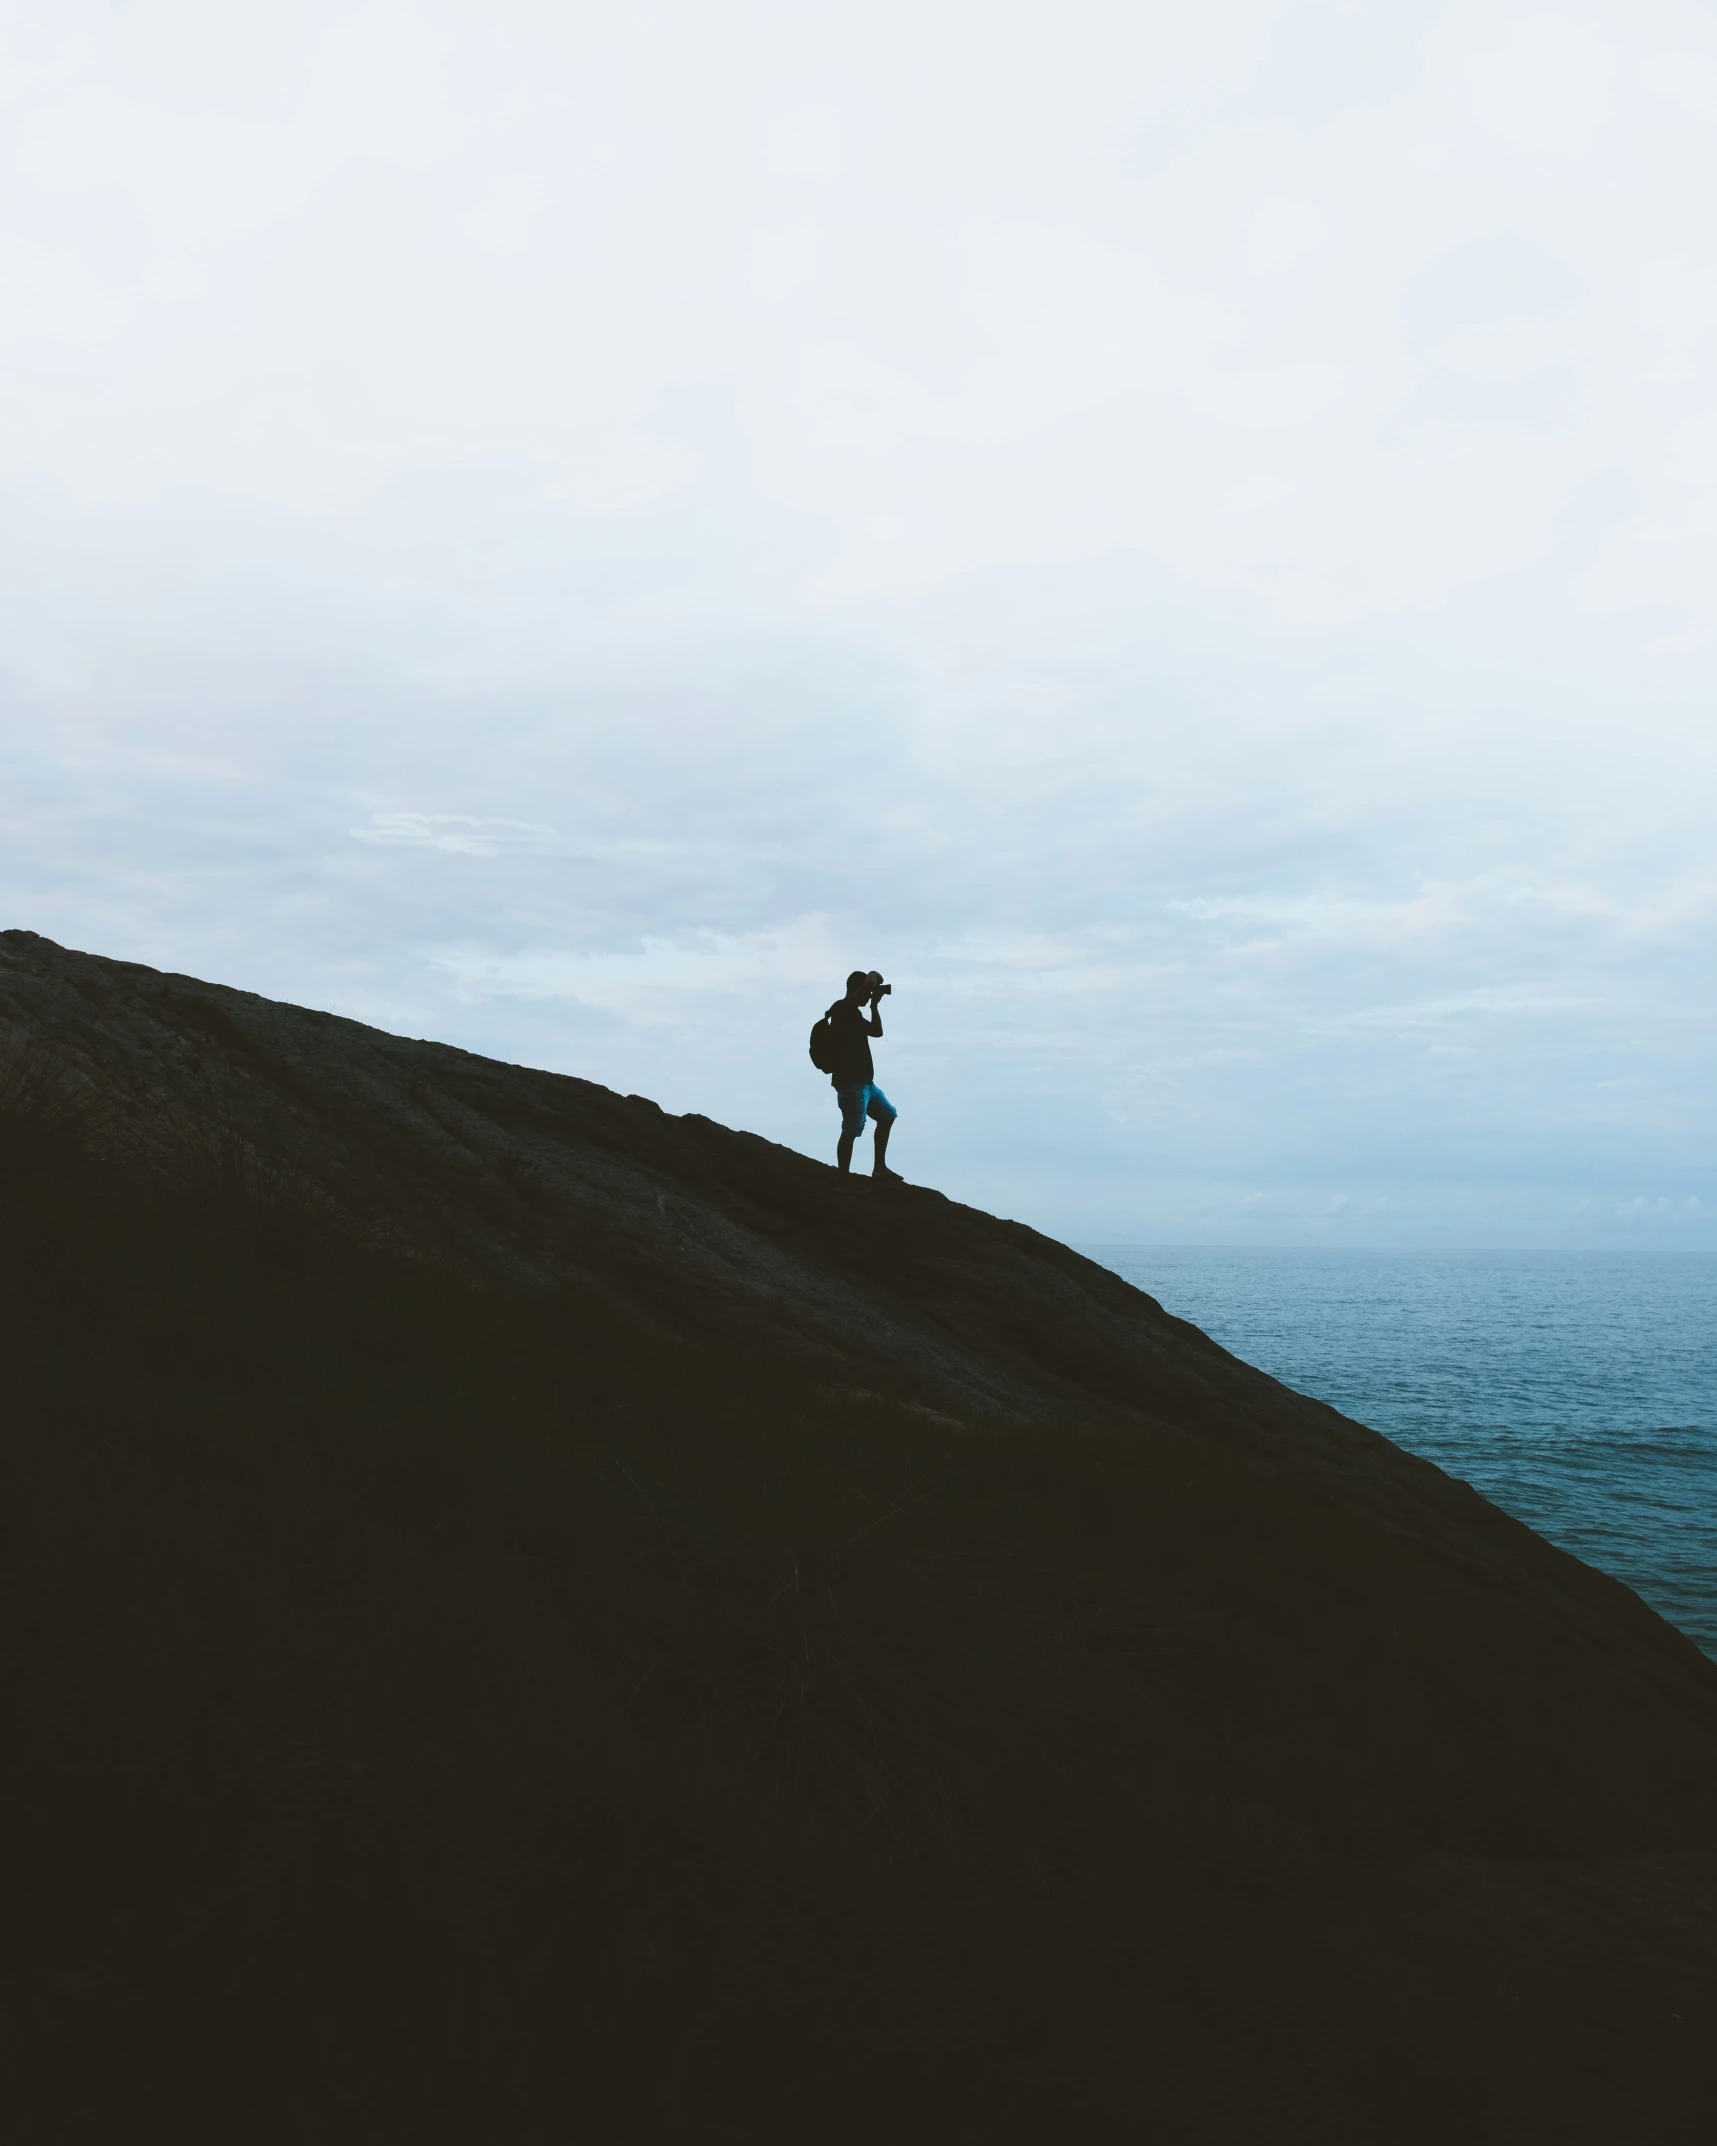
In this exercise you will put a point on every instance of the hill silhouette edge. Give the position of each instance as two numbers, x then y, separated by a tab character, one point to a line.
837	1585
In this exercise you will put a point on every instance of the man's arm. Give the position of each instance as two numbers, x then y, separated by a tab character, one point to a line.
875	1023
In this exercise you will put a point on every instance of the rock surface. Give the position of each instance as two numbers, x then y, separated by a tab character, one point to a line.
1266	1687
535	1181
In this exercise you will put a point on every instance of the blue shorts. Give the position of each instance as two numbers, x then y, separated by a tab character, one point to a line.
864	1099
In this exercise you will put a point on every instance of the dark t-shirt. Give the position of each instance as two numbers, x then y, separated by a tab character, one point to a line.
852	1028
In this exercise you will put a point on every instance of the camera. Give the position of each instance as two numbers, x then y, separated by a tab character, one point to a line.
877	987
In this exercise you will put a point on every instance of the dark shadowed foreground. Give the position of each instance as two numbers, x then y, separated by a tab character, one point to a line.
531	1620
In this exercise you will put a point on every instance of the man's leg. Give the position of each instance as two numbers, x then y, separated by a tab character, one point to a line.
852	1102
884	1126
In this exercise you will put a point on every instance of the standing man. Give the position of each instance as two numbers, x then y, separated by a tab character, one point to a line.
854	1077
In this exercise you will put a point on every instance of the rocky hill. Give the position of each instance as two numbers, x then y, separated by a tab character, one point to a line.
528	1615
532	1182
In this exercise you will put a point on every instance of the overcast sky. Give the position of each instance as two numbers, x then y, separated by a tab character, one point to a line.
1186	535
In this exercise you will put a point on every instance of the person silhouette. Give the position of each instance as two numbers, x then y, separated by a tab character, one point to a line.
853	1076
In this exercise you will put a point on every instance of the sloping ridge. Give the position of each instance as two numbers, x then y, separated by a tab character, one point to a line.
537	1182
1305	1622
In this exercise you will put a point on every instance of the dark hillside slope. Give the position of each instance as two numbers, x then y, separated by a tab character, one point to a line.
534	1182
530	1619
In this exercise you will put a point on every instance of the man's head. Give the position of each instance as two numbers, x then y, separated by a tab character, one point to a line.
858	987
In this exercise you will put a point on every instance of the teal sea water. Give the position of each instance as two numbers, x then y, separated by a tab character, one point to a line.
1578	1390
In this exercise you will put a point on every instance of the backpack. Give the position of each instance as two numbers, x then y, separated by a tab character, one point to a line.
823	1043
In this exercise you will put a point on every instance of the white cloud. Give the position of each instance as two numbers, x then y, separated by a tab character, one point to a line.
198	180
52	294
506	213
1071	323
806	144
1257	493
1266	396
458	832
650	981
1693	451
203	178
1283	233
783	259
1685	78
1074	323
1338	919
1547	86
1510	347
1678	306
606	469
379	87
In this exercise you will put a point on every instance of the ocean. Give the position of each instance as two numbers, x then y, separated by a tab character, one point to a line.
1577	1390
